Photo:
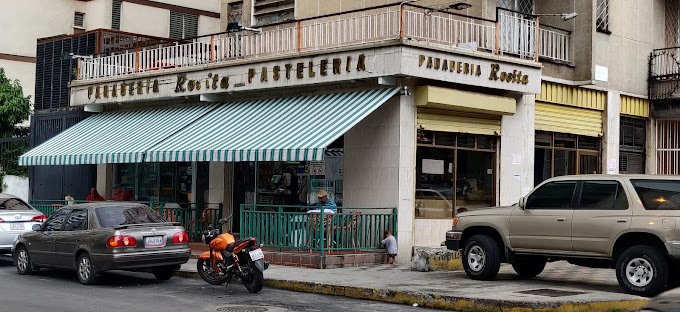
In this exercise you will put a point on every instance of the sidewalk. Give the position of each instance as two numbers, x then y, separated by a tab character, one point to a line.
562	287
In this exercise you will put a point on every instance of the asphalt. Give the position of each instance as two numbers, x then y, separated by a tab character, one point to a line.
562	287
60	291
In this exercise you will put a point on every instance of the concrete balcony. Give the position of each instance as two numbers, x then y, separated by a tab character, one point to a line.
512	36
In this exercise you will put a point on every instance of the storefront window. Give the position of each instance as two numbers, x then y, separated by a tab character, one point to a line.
454	172
558	154
164	182
632	143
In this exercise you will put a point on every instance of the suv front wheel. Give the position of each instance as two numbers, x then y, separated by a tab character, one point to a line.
481	257
642	271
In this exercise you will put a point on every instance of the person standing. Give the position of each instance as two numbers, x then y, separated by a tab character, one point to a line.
94	195
391	244
325	202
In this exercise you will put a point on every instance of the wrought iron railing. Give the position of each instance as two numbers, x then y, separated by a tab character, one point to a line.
513	34
10	150
295	228
194	219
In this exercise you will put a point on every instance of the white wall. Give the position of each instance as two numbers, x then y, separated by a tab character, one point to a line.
17	186
24	72
379	165
208	25
143	19
97	14
206	5
517	143
611	120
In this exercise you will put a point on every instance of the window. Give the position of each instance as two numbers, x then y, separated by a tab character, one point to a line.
523	6
672	23
553	195
658	194
603	195
558	154
55	222
235	13
13	204
273	11
632	141
114	216
667	146
77	221
79	20
602	19
115	14
183	25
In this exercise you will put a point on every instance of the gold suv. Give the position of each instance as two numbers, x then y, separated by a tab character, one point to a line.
630	223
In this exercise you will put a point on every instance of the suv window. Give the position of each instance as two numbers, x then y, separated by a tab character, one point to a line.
553	195
55	222
603	195
13	204
77	221
658	194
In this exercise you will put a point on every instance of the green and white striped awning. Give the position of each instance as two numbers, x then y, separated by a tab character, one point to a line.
114	137
295	129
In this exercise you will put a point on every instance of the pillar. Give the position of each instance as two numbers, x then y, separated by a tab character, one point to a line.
611	124
517	152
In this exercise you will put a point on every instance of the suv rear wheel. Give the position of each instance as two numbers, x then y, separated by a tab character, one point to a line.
529	267
481	257
642	271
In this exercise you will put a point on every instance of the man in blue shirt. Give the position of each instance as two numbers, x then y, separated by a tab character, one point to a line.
323	201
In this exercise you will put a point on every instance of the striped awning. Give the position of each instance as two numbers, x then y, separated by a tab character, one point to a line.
295	129
113	137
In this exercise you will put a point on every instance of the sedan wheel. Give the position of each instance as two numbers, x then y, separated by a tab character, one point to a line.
87	273
23	261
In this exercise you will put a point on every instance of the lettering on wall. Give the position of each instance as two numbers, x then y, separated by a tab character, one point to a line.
123	89
470	69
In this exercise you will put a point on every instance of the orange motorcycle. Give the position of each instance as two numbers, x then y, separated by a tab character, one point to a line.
228	257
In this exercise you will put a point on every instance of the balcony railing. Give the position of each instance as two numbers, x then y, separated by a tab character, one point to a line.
512	34
664	73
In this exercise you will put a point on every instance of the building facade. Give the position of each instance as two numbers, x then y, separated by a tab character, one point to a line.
431	107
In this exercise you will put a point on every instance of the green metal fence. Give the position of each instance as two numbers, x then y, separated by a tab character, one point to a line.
293	227
193	219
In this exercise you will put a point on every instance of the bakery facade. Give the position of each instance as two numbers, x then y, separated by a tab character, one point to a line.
427	132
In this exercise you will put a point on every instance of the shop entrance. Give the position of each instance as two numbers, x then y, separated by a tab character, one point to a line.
455	173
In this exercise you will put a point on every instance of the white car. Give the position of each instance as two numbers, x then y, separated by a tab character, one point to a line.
16	217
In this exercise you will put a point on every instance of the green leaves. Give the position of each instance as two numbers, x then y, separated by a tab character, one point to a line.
14	107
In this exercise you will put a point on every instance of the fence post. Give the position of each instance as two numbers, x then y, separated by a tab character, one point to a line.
401	21
322	220
136	60
212	48
298	27
538	39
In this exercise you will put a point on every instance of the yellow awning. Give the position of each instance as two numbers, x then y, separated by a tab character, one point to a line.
463	101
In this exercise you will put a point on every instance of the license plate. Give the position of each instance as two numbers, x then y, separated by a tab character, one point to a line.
256	254
154	241
16	226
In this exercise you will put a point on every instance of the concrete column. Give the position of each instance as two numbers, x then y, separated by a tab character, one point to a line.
216	179
379	165
650	148
104	180
517	152
611	122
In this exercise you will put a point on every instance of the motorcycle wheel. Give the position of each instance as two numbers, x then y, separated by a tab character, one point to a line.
255	279
208	274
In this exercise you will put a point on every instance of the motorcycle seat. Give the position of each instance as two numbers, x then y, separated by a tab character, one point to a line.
231	246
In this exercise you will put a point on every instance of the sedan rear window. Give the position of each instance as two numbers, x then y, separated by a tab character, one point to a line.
115	216
13	204
658	194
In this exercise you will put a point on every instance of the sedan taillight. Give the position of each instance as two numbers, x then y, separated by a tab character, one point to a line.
180	238
121	241
40	218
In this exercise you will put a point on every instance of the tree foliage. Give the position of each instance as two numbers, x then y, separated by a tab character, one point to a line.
14	106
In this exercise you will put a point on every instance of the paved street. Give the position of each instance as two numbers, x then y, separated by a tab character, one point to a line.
56	291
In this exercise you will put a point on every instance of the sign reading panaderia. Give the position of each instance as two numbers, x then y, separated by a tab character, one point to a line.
472	69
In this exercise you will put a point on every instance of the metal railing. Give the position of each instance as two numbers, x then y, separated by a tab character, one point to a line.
193	219
10	150
287	227
513	34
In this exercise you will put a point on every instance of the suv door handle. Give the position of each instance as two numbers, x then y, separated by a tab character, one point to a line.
561	219
621	221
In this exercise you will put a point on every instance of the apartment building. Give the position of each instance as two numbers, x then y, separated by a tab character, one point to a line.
428	107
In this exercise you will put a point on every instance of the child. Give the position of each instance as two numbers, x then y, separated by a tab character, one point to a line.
391	243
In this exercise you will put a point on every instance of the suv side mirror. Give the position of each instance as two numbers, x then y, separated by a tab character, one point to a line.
36	227
522	203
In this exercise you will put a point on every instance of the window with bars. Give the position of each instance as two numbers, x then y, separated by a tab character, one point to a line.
672	23
183	25
115	14
522	6
273	11
235	13
602	19
632	140
79	20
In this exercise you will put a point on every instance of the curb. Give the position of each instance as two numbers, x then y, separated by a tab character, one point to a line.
444	302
